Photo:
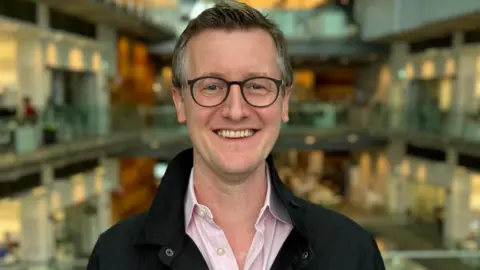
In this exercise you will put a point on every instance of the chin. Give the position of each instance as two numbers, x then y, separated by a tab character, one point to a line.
239	163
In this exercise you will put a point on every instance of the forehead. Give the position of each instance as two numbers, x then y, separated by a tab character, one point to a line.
232	54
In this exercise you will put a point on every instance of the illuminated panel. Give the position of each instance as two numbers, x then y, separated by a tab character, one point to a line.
288	4
428	69
409	71
75	59
450	67
52	54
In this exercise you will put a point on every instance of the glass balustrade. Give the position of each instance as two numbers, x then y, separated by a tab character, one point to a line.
311	24
63	124
427	120
302	24
317	115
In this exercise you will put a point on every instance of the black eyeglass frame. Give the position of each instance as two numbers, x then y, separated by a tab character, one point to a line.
278	83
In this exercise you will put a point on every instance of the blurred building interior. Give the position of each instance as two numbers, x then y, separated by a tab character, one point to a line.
384	121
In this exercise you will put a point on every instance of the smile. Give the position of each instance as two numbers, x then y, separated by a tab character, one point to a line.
235	134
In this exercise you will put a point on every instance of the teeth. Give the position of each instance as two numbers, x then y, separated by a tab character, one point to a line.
235	133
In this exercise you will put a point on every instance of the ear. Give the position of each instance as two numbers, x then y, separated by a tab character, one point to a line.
179	104
285	103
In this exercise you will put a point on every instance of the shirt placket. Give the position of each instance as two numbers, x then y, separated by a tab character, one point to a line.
220	253
254	259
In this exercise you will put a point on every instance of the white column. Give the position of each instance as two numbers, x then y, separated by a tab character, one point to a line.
104	212
108	69
30	68
37	231
397	185
457	208
463	100
396	92
36	240
111	181
89	226
355	194
43	15
112	173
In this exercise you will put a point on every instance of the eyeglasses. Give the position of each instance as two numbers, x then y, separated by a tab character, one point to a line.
258	92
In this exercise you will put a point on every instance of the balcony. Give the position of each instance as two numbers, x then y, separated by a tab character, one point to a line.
325	32
126	17
70	135
412	19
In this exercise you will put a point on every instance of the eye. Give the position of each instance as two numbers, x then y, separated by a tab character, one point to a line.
211	87
255	86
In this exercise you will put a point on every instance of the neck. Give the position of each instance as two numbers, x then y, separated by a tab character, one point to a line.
233	202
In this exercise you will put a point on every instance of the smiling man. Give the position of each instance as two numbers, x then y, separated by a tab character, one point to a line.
221	205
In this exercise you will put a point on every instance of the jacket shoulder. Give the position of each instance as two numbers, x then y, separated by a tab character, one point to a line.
339	240
124	232
116	245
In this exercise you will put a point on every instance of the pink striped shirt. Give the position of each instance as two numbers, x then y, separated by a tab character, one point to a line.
272	227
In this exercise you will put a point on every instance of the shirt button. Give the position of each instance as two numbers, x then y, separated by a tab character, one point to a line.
202	213
220	251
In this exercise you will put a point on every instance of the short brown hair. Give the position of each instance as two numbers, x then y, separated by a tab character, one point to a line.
229	15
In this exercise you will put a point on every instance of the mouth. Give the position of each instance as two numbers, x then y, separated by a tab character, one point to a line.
235	134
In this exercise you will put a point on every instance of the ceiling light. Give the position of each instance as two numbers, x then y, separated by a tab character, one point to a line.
352	138
309	140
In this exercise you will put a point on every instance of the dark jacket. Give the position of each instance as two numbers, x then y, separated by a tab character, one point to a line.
156	240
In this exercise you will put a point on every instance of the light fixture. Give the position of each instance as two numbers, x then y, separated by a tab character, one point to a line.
352	138
309	140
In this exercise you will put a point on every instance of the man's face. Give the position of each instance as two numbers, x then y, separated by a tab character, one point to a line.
234	56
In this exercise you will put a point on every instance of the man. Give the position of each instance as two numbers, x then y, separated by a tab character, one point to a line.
222	205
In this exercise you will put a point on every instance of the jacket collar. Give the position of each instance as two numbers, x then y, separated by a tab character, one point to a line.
165	221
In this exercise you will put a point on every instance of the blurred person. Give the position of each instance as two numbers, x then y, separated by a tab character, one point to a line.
221	205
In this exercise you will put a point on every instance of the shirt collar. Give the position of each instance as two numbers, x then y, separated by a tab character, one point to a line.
272	203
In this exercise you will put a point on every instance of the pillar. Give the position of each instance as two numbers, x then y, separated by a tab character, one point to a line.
43	82
397	187
37	237
111	173
397	88
104	212
457	214
89	225
29	70
111	182
463	100
107	71
37	242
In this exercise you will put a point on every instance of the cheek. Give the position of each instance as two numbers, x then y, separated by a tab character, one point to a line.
198	117
271	116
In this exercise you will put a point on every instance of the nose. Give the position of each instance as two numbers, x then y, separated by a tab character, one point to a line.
235	106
